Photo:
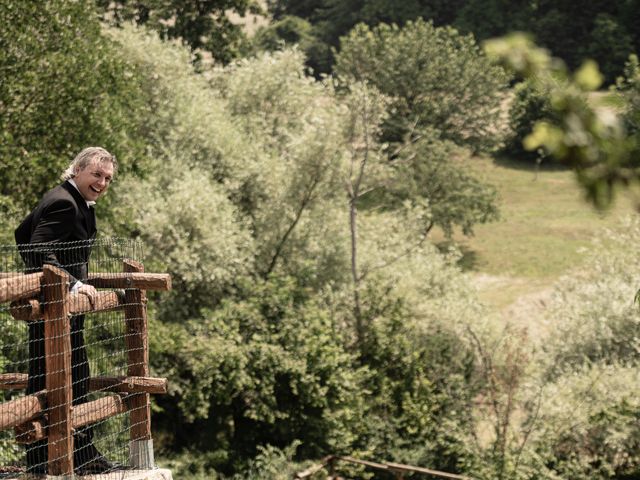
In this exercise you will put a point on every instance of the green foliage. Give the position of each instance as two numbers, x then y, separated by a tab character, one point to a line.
294	128
600	322
272	462
564	403
588	426
420	373
194	151
576	31
434	170
204	249
332	19
268	368
436	78
604	30
289	30
239	193
609	44
63	87
185	121
529	105
589	138
490	18
628	87
201	25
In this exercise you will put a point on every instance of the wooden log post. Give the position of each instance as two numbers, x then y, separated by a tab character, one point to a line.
135	313
57	341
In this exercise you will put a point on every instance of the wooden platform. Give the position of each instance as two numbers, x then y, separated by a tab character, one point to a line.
155	474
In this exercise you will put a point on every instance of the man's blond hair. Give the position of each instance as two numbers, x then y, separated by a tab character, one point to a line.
86	157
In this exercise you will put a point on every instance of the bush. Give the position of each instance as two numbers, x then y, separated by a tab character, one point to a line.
529	105
593	317
629	87
267	368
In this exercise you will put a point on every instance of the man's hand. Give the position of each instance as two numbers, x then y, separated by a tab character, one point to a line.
88	290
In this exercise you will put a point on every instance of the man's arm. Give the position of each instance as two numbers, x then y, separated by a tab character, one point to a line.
54	225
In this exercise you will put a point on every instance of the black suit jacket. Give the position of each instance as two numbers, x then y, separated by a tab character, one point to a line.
61	216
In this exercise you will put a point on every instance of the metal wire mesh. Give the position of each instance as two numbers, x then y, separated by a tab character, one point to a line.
53	336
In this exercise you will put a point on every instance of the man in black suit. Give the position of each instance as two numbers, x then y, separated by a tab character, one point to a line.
65	214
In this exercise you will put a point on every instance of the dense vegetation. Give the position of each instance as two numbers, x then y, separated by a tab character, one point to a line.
311	312
607	31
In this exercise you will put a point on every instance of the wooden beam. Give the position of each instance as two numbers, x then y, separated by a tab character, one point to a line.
129	384
29	310
97	410
19	286
399	467
13	381
31	431
20	410
81	415
103	301
314	468
135	314
133	279
57	347
18	381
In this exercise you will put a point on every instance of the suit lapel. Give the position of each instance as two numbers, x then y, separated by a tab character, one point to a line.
88	214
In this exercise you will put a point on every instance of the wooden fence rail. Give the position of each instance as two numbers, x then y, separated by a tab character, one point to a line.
397	469
49	413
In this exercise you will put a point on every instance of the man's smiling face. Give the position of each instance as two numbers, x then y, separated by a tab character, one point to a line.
94	179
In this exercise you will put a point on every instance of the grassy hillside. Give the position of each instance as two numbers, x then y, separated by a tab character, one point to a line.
545	226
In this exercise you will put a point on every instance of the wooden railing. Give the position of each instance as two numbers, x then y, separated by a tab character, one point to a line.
49	413
399	470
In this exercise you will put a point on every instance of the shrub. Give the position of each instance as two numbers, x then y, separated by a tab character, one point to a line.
529	105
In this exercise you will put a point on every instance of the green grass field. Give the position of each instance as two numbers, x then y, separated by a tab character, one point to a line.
544	227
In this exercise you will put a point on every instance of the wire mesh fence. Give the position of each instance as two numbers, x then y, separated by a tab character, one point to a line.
74	378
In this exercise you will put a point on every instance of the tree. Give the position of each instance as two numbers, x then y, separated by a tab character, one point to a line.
365	170
289	30
265	368
294	127
332	19
609	44
63	87
202	25
578	30
437	79
435	172
574	29
489	18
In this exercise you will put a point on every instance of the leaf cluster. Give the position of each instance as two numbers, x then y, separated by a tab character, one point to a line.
204	26
436	78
